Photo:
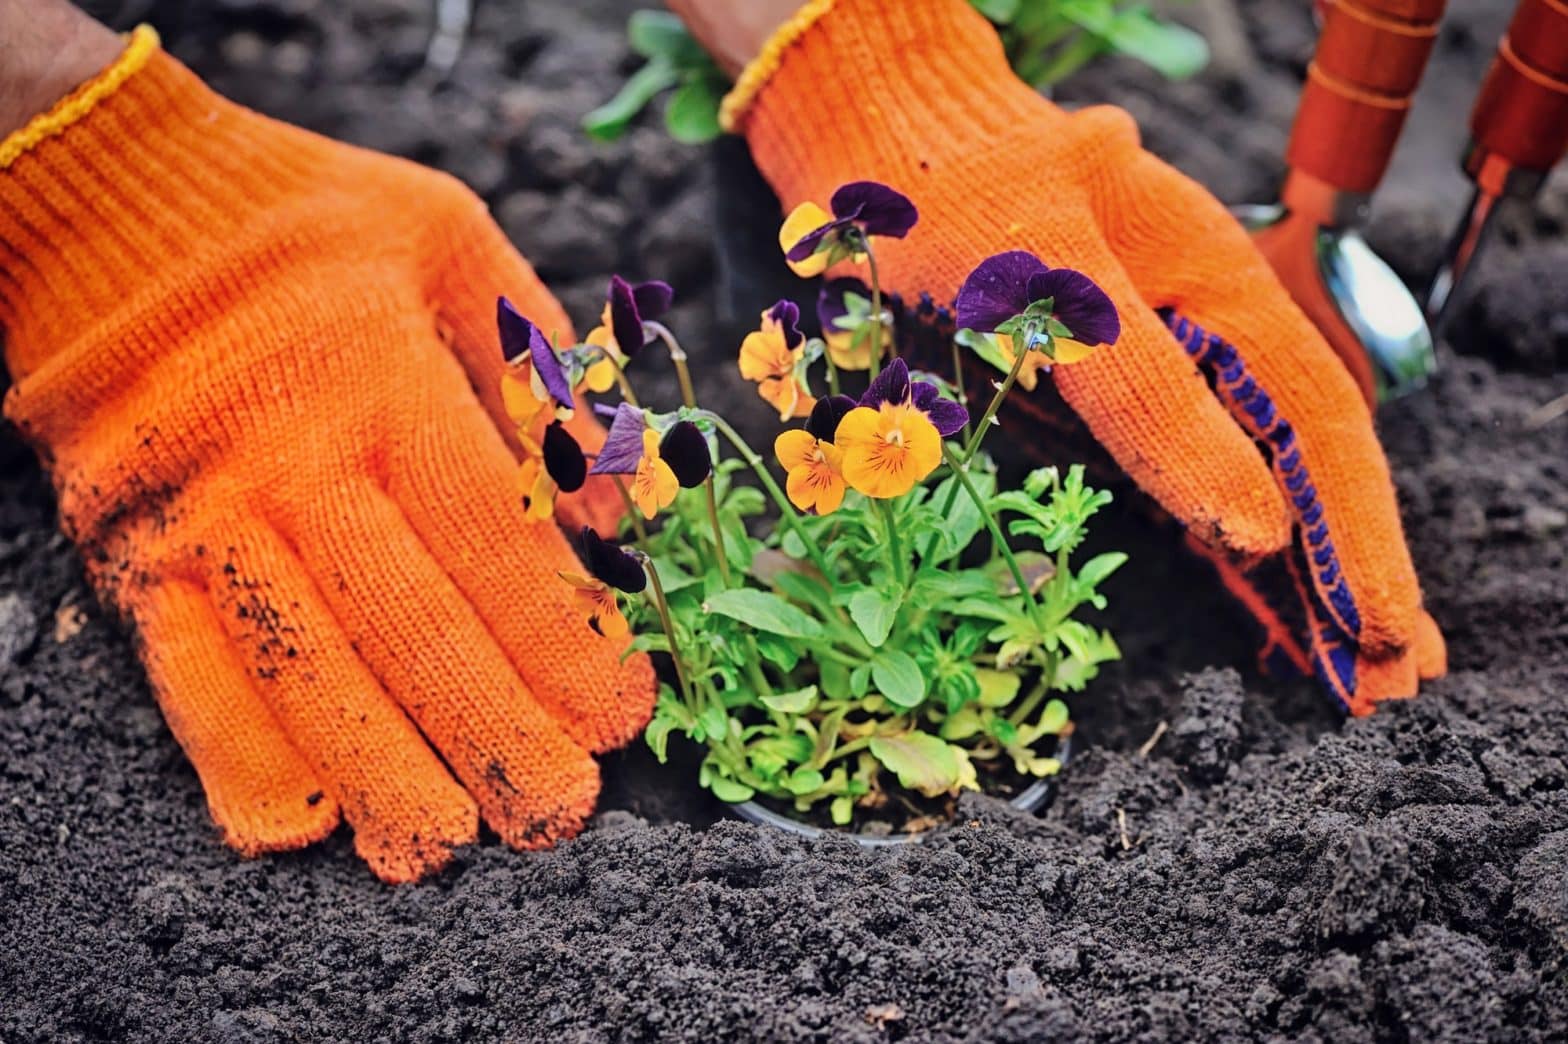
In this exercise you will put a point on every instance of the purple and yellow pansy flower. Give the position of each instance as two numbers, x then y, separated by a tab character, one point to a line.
1062	314
620	334
893	438
610	569
545	382
813	238
813	464
660	467
774	356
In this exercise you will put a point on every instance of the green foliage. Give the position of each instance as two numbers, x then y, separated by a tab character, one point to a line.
1046	41
675	62
817	687
1049	40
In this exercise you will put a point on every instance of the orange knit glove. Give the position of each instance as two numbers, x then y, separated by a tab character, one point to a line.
920	96
248	356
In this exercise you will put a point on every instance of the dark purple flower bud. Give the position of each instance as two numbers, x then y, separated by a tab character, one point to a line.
787	314
611	565
830	301
825	415
997	290
890	386
686	452
877	209
563	459
947	416
631	306
1079	304
622	447
652	299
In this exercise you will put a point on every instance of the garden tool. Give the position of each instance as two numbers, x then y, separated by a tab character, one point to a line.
249	357
1369	60
1213	357
1518	132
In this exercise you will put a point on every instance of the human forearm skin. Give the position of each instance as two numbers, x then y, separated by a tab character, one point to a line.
47	49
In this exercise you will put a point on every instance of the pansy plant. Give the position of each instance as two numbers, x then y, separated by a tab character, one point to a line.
894	616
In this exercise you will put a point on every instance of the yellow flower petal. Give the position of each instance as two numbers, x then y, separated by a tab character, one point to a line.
784	394
888	450
763	355
846	354
655	486
600	376
794	448
1029	376
521	405
1069	351
803	219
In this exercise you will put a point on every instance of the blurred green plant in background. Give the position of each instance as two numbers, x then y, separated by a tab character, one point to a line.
1046	41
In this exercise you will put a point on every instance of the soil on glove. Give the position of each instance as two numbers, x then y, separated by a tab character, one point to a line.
1262	870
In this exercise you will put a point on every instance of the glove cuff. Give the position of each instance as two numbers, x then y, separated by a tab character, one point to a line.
847	82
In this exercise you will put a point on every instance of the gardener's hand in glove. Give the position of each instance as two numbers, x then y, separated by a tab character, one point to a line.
919	96
249	357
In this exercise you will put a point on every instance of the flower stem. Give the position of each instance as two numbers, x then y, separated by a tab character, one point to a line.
786	509
958	382
827	356
999	541
718	533
984	426
678	357
876	310
894	545
973	445
663	606
620	378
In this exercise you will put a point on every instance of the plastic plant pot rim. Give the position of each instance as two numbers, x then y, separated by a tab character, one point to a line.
1030	800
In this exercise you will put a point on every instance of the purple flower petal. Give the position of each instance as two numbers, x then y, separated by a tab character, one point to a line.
518	335
879	210
1080	305
609	563
625	320
787	315
825	415
686	452
563	459
891	385
997	290
946	415
622	447
830	301
652	299
806	245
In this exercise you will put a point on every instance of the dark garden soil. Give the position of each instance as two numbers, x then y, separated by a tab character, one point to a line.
1263	870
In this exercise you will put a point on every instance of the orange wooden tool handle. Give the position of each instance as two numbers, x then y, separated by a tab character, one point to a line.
1521	113
1369	61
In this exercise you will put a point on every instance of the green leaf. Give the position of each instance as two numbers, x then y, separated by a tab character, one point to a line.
962	725
997	688
713	723
610	120
730	790
1002	730
985	346
921	761
692	115
1093	572
657	736
660	34
898	677
780	651
765	612
860	680
1174	51
964	522
874	612
798	702
804	781
1054	718
842	809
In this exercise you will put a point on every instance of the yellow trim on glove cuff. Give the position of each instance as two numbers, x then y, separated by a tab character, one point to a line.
761	68
142	44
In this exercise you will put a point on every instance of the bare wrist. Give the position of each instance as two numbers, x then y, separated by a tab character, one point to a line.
48	48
